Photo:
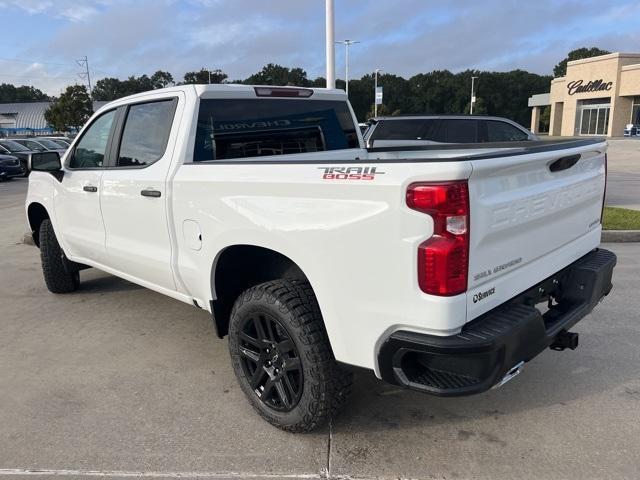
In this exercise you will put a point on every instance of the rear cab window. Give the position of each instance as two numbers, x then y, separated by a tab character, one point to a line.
243	128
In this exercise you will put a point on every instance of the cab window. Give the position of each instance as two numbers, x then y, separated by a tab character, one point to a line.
91	149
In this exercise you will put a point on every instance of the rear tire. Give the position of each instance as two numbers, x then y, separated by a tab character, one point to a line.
282	357
56	276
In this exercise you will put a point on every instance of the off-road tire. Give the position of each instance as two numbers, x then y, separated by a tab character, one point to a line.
325	385
56	276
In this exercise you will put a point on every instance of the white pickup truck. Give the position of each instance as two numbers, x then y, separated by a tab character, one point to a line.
441	268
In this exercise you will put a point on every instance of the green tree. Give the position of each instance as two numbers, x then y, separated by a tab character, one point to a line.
273	74
71	110
111	88
161	79
560	70
205	76
12	94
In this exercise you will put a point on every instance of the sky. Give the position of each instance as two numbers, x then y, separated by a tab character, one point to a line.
42	39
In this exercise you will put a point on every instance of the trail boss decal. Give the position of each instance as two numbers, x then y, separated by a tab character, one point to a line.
350	173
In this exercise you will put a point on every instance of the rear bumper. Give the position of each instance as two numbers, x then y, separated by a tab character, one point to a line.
490	346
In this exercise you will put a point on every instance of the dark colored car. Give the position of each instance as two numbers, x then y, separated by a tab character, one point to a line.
10	167
11	147
419	130
40	145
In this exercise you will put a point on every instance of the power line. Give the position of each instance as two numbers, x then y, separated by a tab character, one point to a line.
84	62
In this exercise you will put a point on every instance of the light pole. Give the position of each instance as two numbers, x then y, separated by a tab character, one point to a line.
347	43
473	98
330	40
375	93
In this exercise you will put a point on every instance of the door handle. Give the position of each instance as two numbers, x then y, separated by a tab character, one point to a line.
90	188
150	193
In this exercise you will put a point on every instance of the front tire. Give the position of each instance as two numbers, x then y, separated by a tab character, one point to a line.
56	276
282	357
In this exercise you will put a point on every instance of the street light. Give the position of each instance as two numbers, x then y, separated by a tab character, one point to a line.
331	55
473	98
347	43
375	93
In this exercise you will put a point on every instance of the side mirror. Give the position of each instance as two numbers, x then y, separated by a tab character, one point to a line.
45	162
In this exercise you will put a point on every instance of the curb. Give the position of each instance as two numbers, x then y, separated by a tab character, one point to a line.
620	236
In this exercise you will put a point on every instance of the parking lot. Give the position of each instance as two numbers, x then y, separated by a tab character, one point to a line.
117	381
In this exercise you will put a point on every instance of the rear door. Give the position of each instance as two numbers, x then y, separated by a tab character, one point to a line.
531	215
134	195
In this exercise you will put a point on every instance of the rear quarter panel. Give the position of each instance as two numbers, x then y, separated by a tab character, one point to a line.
354	239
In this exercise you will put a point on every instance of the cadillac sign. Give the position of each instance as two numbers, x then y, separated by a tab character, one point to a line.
578	86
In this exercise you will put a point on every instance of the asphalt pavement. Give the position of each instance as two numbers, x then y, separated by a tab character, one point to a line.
116	381
623	182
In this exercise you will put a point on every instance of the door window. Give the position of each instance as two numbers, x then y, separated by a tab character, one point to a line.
408	129
146	132
91	149
459	131
504	132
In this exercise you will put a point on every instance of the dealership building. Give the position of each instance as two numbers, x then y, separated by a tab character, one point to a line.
598	96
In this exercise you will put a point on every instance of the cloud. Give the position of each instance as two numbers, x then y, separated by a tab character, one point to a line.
405	37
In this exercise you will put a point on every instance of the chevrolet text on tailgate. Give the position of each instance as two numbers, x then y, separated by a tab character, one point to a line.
442	268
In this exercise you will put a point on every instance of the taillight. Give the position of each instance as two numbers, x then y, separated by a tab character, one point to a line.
443	259
604	195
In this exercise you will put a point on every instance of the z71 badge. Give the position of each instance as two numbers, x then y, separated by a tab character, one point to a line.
350	173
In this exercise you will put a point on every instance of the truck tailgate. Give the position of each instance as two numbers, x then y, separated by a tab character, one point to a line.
532	214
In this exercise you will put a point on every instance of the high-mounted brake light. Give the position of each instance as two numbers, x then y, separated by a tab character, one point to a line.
283	92
443	259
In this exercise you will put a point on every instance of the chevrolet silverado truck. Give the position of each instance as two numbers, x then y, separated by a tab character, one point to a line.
442	269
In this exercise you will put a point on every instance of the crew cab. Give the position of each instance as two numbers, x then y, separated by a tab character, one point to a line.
441	268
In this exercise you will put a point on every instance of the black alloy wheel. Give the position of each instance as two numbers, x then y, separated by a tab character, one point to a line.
271	362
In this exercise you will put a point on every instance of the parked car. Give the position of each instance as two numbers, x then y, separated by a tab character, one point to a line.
40	145
16	149
10	167
415	130
64	142
262	206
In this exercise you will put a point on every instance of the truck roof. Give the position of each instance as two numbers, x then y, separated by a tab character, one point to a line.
233	90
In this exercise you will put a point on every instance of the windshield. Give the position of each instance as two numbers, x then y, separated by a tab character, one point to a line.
13	146
48	143
60	142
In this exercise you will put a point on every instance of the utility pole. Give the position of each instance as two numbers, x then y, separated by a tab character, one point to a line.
330	38
347	43
84	62
375	93
473	96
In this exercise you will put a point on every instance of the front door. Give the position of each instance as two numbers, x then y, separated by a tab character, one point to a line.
78	216
134	195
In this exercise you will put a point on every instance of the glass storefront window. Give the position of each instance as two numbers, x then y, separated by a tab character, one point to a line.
635	111
594	118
